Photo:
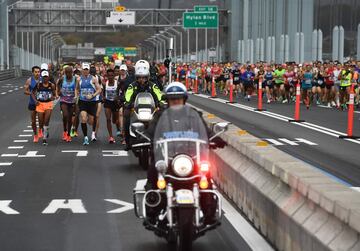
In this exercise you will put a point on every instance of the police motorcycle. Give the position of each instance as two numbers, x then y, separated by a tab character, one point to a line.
143	111
185	203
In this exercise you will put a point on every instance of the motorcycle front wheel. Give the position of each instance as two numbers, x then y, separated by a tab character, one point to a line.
186	229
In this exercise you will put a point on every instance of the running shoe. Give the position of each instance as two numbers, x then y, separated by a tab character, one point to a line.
93	137
284	101
118	133
111	140
36	139
44	142
86	141
68	138
333	104
64	137
318	102
269	101
41	135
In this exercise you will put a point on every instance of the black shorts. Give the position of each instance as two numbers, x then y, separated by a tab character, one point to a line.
208	78
31	107
90	107
329	86
344	88
248	84
112	105
218	79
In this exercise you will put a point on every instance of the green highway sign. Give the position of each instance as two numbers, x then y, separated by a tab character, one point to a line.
205	8
193	20
125	51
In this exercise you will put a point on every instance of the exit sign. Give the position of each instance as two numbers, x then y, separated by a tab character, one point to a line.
205	8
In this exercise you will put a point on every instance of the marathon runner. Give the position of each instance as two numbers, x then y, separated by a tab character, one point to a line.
87	89
66	91
30	84
44	93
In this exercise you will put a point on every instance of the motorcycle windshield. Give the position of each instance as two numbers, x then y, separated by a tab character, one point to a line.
144	100
180	130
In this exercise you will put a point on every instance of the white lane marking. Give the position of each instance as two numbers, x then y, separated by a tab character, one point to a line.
21	87
311	126
126	206
74	205
29	127
9	155
357	112
31	154
324	106
3	93
288	142
245	230
356	189
15	147
16	89
305	141
25	135
114	153
21	140
5	207
2	174
275	142
10	90
27	130
5	163
79	153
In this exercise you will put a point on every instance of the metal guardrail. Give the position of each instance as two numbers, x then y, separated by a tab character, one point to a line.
13	73
7	74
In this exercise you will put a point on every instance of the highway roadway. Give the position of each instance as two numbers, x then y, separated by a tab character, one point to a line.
65	196
315	141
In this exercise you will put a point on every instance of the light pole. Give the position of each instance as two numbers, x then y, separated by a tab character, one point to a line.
181	41
165	39
172	35
159	42
163	51
154	44
45	45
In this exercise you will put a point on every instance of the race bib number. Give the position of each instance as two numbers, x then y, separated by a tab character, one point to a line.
44	96
236	78
68	92
86	91
110	95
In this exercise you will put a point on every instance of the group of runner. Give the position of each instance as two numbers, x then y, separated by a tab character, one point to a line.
83	89
327	83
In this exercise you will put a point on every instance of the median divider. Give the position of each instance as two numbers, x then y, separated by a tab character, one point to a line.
294	205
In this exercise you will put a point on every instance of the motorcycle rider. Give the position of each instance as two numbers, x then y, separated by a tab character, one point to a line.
175	95
141	84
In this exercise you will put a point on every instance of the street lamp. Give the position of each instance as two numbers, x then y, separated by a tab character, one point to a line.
174	37
163	45
181	41
165	39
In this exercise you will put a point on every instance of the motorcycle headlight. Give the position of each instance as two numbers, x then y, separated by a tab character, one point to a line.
182	165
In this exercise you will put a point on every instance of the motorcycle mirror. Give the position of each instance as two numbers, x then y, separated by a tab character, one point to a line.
221	127
161	166
137	127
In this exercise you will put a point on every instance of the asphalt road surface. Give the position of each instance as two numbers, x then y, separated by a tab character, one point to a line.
65	196
315	142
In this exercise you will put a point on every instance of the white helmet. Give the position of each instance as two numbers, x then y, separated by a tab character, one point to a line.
142	68
176	90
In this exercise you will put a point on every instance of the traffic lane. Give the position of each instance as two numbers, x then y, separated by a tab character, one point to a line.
33	183
328	117
335	156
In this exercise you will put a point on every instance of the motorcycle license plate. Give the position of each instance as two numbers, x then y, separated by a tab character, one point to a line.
184	197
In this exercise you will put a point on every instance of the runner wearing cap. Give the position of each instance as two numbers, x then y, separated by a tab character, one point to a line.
87	89
44	93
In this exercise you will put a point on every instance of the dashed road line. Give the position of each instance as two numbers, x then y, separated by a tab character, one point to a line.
31	154
15	147
9	155
2	174
21	140
3	93
27	130
356	189
5	163
10	90
25	135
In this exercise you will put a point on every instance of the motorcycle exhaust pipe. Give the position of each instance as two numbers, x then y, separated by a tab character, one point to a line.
152	198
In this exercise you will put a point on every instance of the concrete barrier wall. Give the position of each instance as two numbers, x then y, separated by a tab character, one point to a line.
295	206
